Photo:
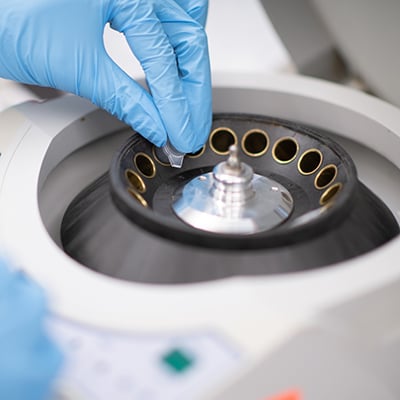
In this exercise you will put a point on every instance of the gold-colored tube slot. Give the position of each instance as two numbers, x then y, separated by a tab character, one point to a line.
221	139
145	165
326	176
197	153
255	142
164	164
135	180
309	162
330	193
285	150
138	197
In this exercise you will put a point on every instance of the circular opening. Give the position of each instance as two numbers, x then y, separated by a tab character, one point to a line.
310	161
197	153
221	139
255	143
145	165
135	180
285	150
326	176
164	164
139	198
330	194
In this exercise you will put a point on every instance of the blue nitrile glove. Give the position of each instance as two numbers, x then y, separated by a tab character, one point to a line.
59	43
197	9
28	359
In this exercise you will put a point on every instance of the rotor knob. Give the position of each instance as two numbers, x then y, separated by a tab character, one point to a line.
233	200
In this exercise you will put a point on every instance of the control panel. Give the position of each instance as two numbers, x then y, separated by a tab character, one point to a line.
109	365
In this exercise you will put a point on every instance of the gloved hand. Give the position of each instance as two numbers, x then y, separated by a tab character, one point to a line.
28	360
59	43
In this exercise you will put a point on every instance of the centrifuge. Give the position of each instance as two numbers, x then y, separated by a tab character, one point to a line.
265	268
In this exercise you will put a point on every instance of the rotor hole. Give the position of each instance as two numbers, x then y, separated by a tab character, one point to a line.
326	176
145	165
285	150
135	180
138	197
310	161
330	194
197	153
255	143
161	158
221	139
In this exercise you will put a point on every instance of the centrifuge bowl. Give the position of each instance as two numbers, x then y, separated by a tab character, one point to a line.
123	224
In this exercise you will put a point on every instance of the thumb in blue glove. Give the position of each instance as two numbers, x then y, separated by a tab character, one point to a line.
28	359
59	43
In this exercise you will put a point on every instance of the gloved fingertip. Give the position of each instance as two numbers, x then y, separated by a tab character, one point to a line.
152	131
187	148
191	140
183	146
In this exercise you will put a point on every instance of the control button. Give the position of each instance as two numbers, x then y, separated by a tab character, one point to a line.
178	360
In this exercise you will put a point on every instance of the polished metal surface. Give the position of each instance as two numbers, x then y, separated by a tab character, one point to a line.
232	199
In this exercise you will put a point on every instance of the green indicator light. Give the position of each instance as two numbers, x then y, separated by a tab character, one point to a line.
177	360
